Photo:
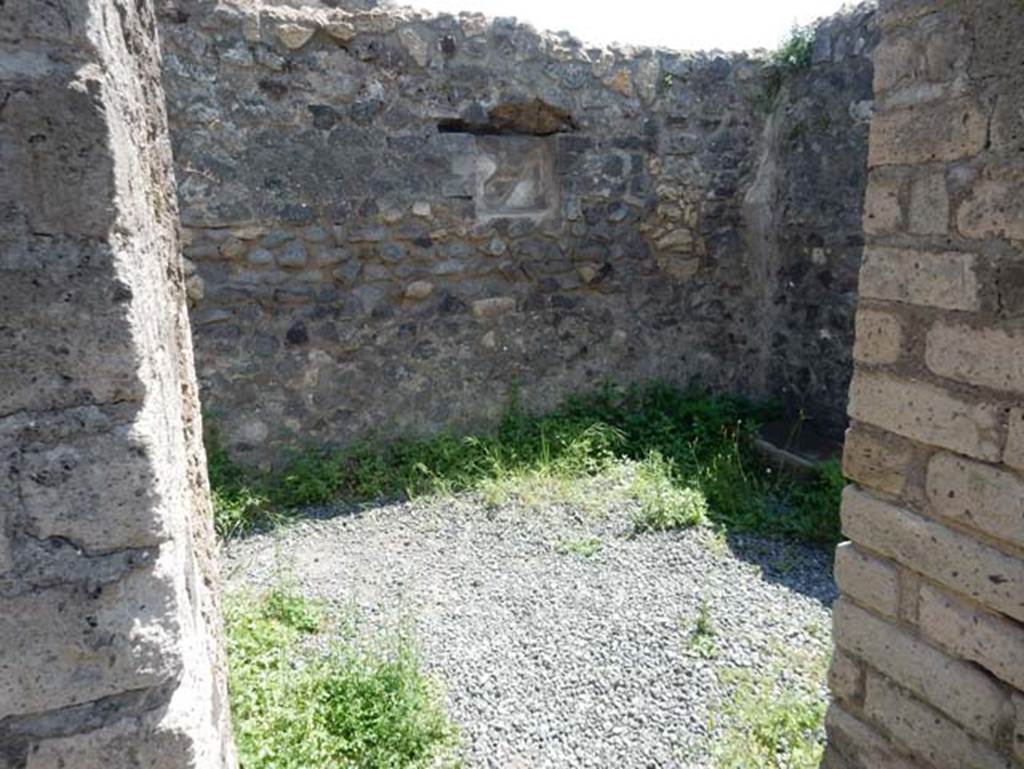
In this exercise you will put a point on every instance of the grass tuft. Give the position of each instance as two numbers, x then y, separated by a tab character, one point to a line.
361	705
584	548
663	502
682	457
774	720
702	640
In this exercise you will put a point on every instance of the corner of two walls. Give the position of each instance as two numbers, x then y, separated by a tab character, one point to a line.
802	220
393	220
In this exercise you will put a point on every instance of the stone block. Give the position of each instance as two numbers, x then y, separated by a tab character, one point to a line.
869	581
893	13
890	61
939	131
879	337
978	496
232	248
883	211
928	211
949	557
924	731
154	741
931	53
99	368
877	460
946	280
972	633
989	357
1008	120
845	677
97	488
957	688
999	28
1013	454
928	414
72	644
858	745
994	206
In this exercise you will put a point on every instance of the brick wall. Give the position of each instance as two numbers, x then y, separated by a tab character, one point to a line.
929	666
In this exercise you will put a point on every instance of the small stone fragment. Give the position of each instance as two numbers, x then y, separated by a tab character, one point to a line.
194	288
340	30
490	308
415	45
588	272
294	36
294	255
232	248
419	289
259	257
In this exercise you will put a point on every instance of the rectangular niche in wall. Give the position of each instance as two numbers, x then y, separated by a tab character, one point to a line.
513	176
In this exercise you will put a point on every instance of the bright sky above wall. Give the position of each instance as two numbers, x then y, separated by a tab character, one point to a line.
731	25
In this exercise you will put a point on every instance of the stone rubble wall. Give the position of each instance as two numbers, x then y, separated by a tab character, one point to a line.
393	220
803	221
929	670
109	626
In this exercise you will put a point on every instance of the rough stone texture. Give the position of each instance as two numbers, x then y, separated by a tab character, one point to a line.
108	613
876	459
937	437
577	213
803	220
873	582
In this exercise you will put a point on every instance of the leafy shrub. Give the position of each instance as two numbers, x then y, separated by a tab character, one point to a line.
362	705
796	50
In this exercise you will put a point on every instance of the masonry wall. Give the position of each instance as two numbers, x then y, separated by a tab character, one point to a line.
393	220
109	631
929	670
802	221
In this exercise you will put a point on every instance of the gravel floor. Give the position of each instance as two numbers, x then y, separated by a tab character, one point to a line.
551	658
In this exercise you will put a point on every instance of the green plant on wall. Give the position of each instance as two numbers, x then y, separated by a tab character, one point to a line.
794	55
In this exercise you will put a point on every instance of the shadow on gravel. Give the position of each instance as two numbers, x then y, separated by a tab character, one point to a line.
798	566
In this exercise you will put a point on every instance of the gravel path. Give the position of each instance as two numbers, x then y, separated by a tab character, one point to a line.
552	658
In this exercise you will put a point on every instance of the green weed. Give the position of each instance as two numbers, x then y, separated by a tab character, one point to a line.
702	637
361	705
681	456
773	720
664	503
584	548
239	503
794	55
796	51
